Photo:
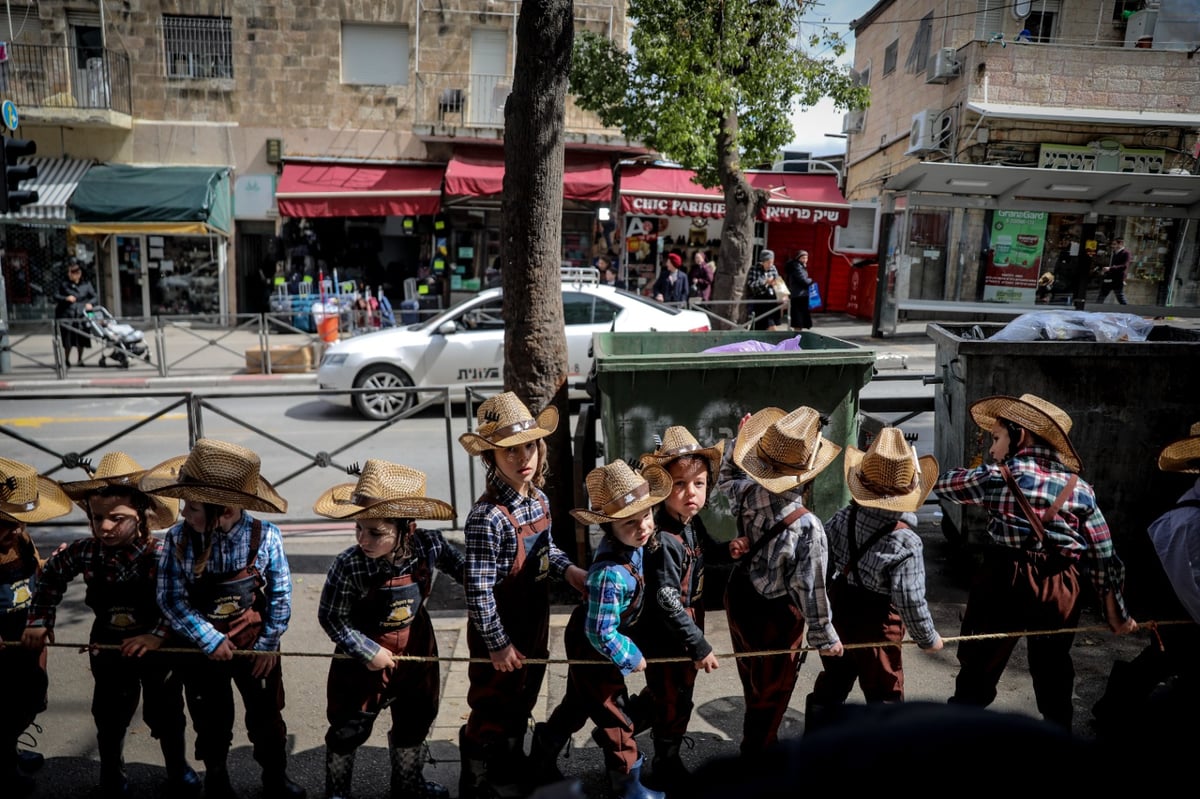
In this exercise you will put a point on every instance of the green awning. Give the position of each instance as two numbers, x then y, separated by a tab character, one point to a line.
119	198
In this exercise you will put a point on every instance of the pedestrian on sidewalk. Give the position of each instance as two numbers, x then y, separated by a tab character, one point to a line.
622	502
26	497
119	564
373	608
798	281
779	583
224	585
1112	277
1042	520
877	575
511	557
74	298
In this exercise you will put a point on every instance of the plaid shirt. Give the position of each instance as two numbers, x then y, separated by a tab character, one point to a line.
893	566
611	588
134	563
491	545
230	550
758	280
794	562
353	575
1078	531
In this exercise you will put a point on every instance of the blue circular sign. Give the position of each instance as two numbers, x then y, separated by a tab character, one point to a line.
11	117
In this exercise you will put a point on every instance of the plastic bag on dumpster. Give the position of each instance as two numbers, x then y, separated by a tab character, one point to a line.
751	345
1075	326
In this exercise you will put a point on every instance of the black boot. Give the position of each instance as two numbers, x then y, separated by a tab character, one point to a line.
629	786
667	772
29	761
182	779
216	780
13	782
339	774
278	785
408	775
472	777
114	784
544	749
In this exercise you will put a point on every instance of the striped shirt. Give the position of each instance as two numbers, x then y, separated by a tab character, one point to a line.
230	550
353	575
1078	531
794	563
894	565
491	544
611	588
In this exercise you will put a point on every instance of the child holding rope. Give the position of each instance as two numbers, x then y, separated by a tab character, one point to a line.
1042	520
373	608
510	556
119	564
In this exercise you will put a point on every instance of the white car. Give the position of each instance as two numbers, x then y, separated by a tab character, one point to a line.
465	345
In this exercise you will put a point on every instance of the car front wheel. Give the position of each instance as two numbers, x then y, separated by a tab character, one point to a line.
383	405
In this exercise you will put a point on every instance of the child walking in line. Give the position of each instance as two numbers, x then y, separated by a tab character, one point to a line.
510	558
373	608
1042	519
877	575
25	498
119	564
779	584
621	501
224	585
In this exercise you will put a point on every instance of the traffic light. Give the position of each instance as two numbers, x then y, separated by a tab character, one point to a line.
13	197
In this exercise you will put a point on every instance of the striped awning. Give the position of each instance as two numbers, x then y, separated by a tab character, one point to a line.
55	183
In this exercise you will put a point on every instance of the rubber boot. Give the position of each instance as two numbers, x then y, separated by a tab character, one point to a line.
667	772
629	786
507	767
408	775
816	715
278	785
339	774
216	780
13	782
472	778
182	779
544	749
114	784
30	761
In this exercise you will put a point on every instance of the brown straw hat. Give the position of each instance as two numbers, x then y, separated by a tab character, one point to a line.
504	421
215	472
118	469
678	442
889	475
1182	455
384	490
1042	418
617	492
27	497
781	450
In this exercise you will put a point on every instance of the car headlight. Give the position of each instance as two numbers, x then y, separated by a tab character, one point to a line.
334	359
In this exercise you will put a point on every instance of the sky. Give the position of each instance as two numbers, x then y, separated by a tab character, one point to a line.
812	124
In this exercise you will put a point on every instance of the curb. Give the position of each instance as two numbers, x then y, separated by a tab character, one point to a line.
165	383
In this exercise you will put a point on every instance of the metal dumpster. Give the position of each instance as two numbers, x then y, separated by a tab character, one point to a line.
650	381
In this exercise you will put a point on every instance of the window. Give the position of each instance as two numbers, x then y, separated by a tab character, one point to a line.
1041	22
918	54
584	309
197	47
889	57
485	316
374	54
989	18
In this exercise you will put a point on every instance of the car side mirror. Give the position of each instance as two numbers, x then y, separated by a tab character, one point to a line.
446	328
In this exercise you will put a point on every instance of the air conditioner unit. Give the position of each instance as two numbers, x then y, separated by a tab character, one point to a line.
943	67
854	122
930	130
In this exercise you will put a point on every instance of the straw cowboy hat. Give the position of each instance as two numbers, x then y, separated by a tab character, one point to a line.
678	442
1182	455
617	492
781	450
889	475
1042	418
27	497
118	469
504	421
384	491
215	472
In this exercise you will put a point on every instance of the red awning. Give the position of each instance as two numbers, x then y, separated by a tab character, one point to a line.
318	190
481	174
794	196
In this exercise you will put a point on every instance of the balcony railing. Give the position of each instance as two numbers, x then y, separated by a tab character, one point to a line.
460	100
40	76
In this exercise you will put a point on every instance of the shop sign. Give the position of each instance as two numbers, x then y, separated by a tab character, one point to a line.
1018	241
1104	157
793	213
715	209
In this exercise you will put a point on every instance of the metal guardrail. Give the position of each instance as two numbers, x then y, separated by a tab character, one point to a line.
42	76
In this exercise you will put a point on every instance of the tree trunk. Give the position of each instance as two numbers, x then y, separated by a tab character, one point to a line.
535	344
742	204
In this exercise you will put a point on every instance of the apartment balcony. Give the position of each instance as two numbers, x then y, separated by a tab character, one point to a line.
61	85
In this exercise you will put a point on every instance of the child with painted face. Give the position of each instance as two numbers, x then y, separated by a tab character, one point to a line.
119	564
510	558
25	498
621	502
373	608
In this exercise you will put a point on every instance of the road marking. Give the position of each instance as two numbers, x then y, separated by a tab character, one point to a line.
42	421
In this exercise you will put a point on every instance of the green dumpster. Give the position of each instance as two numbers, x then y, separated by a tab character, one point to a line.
650	381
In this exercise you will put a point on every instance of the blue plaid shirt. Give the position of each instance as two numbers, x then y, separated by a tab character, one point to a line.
230	550
611	588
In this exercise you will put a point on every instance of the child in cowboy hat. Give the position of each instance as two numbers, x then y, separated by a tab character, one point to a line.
372	607
510	555
25	498
780	582
224	585
1042	520
622	502
877	585
119	564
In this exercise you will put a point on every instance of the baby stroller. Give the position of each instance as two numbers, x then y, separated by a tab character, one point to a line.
119	341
